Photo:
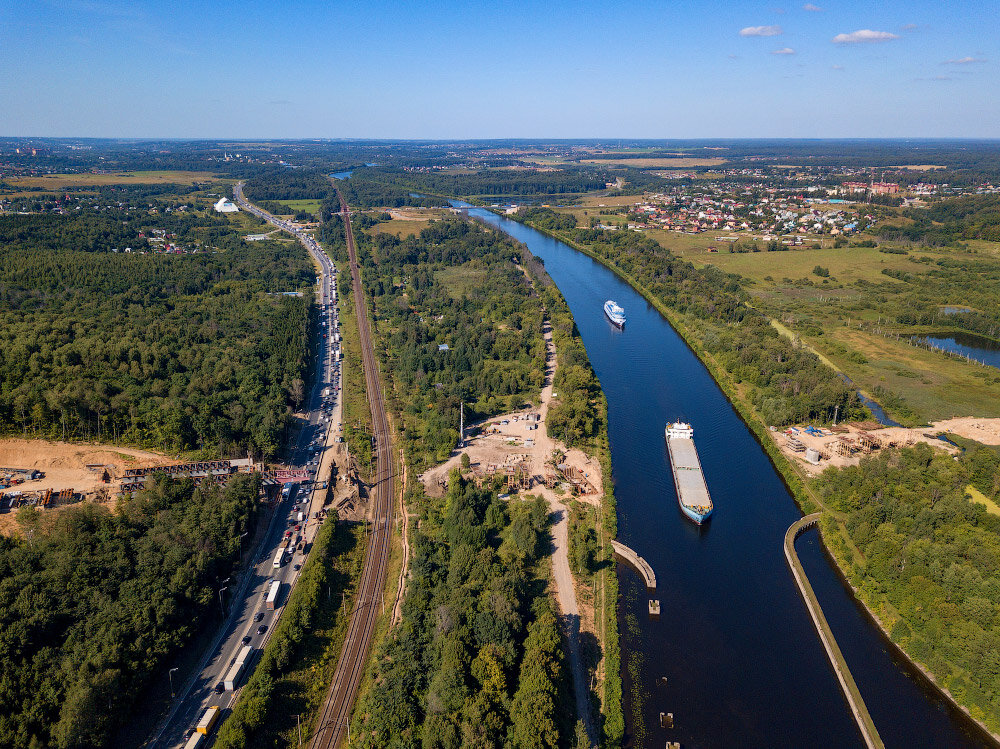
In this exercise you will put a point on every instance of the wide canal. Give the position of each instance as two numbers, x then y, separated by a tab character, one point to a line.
742	661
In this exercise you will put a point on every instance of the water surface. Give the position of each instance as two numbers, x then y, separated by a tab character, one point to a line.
743	663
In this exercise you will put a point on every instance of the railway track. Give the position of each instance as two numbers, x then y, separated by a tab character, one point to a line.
333	723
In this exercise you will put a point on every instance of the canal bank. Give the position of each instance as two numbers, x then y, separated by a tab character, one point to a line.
737	648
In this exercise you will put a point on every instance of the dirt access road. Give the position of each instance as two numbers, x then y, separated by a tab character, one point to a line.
506	443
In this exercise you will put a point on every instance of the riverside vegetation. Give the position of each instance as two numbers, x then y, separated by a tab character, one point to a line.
94	604
477	658
459	284
454	285
925	559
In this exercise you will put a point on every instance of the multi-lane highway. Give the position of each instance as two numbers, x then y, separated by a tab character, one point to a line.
335	714
250	619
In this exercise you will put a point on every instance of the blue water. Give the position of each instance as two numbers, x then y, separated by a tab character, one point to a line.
878	412
342	175
744	665
974	346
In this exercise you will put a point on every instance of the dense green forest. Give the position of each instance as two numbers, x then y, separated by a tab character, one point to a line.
367	188
948	221
176	352
455	285
93	604
477	659
507	182
930	561
787	383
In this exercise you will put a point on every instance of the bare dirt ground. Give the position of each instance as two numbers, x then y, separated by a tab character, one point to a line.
64	466
982	430
825	442
502	444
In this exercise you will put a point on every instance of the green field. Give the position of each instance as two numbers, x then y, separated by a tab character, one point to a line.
834	313
846	264
85	179
915	385
309	206
459	280
400	227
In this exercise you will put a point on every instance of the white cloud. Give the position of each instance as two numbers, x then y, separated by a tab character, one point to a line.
812	8
761	31
909	27
864	36
964	61
784	51
838	67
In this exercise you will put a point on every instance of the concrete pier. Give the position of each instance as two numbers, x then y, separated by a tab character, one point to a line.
858	708
634	560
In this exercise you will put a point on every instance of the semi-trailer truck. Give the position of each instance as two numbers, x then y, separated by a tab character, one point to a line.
236	671
208	720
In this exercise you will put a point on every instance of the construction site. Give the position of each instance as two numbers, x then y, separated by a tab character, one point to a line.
817	448
49	475
515	448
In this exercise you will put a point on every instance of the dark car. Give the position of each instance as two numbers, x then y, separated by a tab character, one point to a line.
220	688
262	629
258	616
246	640
296	567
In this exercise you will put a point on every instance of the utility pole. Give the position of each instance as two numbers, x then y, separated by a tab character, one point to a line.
170	675
298	722
461	425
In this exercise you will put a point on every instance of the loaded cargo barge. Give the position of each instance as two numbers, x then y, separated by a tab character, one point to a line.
692	492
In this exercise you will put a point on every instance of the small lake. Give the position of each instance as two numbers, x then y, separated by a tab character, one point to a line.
342	175
974	346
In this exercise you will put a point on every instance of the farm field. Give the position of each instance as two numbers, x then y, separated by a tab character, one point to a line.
680	162
86	179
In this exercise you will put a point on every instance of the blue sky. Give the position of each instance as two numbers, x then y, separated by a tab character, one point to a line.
449	69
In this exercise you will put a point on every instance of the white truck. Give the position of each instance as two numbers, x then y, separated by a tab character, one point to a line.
238	668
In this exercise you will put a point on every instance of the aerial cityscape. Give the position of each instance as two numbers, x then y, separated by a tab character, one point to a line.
570	376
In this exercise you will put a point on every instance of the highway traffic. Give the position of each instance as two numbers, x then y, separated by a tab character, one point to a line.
254	604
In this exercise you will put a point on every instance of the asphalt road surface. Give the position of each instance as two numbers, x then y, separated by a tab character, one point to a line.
243	597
